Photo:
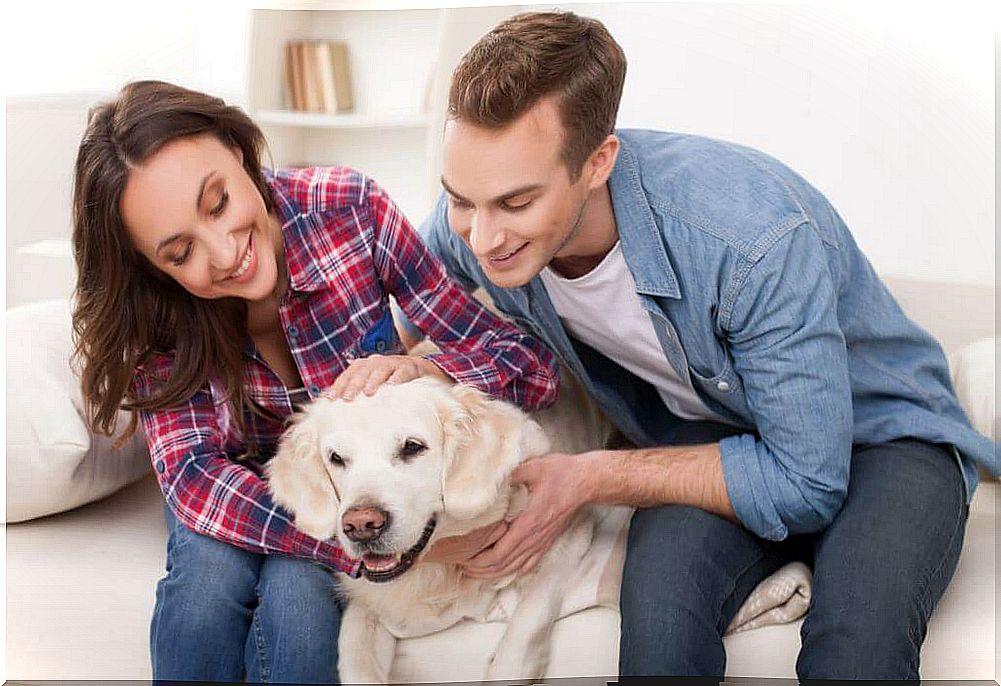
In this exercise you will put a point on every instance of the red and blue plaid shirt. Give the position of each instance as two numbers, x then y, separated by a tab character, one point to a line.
347	248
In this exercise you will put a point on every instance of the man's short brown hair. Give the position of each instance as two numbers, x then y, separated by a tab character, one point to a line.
537	54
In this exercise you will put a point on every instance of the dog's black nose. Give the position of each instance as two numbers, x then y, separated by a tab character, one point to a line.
361	524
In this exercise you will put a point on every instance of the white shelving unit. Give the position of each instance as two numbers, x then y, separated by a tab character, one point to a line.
393	57
401	62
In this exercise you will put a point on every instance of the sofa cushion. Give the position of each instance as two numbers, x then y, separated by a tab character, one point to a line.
53	462
973	377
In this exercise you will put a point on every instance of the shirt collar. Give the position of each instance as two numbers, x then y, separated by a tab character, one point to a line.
643	244
306	273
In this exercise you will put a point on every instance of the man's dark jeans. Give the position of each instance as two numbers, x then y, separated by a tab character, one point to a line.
879	569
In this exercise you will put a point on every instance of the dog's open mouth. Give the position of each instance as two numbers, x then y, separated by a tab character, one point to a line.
380	568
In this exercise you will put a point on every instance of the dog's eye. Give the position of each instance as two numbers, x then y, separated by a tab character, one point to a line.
412	447
335	458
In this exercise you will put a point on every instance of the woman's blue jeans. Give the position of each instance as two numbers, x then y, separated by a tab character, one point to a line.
226	614
879	569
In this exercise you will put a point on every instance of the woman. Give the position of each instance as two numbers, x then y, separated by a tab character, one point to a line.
213	296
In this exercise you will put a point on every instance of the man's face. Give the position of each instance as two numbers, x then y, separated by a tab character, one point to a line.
511	198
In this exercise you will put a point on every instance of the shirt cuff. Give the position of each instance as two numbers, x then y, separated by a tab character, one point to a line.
747	488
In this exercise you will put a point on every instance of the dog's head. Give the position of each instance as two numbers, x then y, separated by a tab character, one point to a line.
376	472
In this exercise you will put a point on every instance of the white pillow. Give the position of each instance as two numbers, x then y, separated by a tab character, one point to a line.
53	463
973	377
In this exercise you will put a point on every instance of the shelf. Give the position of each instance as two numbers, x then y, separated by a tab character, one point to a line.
403	120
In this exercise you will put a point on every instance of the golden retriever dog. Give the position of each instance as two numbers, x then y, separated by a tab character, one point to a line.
388	475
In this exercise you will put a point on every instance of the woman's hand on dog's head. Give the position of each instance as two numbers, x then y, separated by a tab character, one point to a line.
366	374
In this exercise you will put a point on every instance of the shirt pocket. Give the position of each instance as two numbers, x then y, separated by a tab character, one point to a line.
722	385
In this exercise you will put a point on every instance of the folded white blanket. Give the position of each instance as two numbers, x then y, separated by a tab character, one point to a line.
780	598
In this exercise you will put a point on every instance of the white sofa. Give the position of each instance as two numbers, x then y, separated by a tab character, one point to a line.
80	583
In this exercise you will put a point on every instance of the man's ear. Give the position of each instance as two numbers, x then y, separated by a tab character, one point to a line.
600	163
299	481
485	440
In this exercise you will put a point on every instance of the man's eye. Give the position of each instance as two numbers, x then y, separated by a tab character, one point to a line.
515	207
221	205
180	259
461	204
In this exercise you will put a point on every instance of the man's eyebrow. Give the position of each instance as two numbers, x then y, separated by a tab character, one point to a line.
198	202
500	198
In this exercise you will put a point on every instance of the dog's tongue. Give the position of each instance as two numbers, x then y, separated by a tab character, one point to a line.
379	563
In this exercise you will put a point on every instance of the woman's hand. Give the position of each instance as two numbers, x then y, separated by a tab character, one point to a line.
460	549
366	374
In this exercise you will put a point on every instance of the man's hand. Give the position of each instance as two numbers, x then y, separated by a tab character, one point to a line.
366	374
459	549
558	487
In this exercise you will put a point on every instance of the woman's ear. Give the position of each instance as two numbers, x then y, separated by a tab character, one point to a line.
485	439
299	481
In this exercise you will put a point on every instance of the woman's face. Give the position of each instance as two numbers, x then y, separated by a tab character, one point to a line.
195	213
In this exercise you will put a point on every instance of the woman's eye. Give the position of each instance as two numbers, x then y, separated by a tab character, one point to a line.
461	204
180	259
221	205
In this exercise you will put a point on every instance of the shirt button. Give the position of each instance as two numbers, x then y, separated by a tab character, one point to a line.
159	467
380	346
293	331
314	390
723	387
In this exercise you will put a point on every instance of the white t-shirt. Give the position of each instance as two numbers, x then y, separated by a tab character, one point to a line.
601	308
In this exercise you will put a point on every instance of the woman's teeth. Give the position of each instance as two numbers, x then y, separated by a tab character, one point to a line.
243	265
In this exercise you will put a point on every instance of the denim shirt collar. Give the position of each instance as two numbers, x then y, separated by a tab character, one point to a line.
642	242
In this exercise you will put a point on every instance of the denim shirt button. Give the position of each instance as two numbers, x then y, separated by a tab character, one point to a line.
723	387
380	346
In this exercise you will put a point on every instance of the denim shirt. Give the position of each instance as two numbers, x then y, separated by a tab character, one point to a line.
762	300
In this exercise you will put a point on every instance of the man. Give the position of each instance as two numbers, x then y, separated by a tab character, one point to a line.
719	310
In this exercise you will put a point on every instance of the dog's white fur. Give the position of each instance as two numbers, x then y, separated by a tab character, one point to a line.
473	442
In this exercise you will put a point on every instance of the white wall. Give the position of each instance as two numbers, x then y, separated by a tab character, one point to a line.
890	113
89	50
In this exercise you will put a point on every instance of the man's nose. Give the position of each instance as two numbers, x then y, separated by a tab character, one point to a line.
484	235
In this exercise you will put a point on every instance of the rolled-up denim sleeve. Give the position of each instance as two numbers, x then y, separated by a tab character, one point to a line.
790	355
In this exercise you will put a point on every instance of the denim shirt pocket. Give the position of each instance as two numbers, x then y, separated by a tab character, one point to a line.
723	387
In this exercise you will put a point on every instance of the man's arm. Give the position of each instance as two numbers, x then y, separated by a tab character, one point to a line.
647	477
790	356
561	484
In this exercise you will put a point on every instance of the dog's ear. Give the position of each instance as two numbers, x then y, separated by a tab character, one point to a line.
485	440
300	483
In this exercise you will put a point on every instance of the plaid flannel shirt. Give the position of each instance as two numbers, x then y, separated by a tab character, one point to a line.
347	248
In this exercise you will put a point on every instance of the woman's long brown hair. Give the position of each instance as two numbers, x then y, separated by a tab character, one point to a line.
124	308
